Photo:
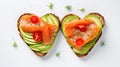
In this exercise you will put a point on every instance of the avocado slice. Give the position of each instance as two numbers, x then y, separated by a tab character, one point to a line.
98	19
39	48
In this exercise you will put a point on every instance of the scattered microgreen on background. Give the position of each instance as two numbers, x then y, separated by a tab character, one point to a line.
68	7
82	10
58	54
102	43
50	6
14	43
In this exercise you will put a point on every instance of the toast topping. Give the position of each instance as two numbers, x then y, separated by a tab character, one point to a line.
80	32
33	24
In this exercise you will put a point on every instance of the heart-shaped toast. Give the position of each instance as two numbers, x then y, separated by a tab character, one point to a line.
82	34
38	33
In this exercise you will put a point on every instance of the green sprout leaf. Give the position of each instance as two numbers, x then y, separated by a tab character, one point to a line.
50	6
102	43
14	44
82	10
58	54
68	7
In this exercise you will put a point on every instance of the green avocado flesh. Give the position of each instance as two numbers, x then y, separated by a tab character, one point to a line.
95	18
85	49
38	46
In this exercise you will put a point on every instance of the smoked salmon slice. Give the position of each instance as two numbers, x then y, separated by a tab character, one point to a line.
47	29
72	32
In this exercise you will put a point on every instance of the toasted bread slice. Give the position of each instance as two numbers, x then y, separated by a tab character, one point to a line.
38	47
97	18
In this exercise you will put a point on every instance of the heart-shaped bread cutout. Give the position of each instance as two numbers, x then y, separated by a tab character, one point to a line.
82	34
38	33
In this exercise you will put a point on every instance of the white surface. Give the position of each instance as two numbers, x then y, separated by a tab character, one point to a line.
106	56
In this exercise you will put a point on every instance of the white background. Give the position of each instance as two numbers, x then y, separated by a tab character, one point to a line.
22	56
